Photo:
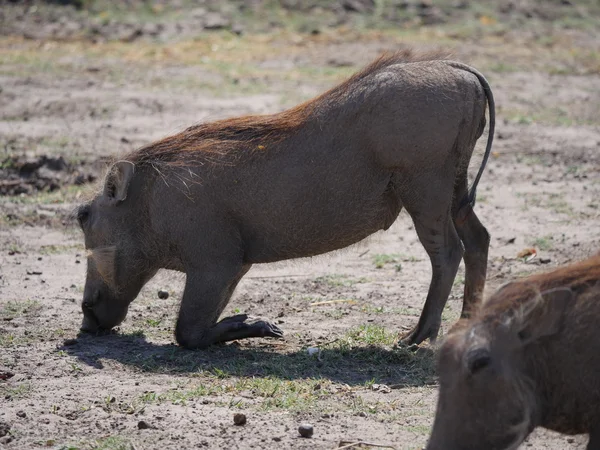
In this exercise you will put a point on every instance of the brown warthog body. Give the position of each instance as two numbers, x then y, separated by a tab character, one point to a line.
219	197
530	357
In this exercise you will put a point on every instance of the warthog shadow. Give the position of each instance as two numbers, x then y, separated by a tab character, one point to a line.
337	362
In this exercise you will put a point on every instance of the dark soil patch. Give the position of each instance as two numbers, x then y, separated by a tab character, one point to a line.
23	175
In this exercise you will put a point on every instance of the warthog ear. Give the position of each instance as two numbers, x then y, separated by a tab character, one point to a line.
117	182
544	316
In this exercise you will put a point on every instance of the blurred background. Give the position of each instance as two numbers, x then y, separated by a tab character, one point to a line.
85	79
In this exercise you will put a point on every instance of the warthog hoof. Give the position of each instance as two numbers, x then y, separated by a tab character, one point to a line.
265	328
419	333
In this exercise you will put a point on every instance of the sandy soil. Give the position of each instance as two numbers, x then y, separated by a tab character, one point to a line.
135	388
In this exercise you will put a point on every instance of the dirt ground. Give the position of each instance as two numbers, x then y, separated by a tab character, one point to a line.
68	104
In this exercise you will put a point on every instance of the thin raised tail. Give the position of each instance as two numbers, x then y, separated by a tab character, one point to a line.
492	125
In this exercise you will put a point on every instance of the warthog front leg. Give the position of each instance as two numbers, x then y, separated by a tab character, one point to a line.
206	295
241	326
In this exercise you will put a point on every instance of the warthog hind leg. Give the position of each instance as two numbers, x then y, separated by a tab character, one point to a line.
430	212
476	240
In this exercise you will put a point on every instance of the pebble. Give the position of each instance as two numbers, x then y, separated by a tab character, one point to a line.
306	430
22	414
4	429
143	425
163	295
69	342
6	374
239	419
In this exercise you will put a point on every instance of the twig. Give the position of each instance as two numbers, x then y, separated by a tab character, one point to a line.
328	342
277	276
409	385
364	253
350	444
329	302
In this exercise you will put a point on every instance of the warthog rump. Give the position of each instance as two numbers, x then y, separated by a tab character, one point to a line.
530	357
221	196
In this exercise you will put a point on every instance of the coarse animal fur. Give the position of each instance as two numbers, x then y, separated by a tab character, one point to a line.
221	196
529	357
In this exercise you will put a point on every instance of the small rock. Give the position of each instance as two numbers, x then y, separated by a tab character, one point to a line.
215	21
4	429
358	6
6	440
163	295
312	350
381	388
545	260
5	375
276	438
237	28
306	430
239	419
143	425
69	342
21	414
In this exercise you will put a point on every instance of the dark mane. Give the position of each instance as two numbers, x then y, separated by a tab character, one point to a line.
214	140
510	298
577	277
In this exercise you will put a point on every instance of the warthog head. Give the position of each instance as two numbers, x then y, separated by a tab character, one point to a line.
116	271
486	398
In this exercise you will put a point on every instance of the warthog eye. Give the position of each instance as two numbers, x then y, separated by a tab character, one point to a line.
83	214
478	359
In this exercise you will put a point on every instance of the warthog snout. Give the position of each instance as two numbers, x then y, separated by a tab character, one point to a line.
101	307
90	323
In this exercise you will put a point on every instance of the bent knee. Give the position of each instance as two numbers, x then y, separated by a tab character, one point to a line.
192	339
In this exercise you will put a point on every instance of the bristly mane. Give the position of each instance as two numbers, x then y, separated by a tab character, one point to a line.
512	297
213	140
577	277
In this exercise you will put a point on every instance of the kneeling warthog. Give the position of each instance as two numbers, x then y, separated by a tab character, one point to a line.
221	196
530	357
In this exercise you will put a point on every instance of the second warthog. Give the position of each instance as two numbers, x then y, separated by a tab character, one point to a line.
527	359
221	196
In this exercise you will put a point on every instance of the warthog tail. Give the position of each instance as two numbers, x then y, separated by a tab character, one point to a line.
492	125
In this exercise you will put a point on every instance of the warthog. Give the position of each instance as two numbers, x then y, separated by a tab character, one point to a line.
528	358
221	196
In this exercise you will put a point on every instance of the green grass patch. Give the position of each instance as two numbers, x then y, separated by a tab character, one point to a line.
113	443
544	243
339	280
17	308
15	391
